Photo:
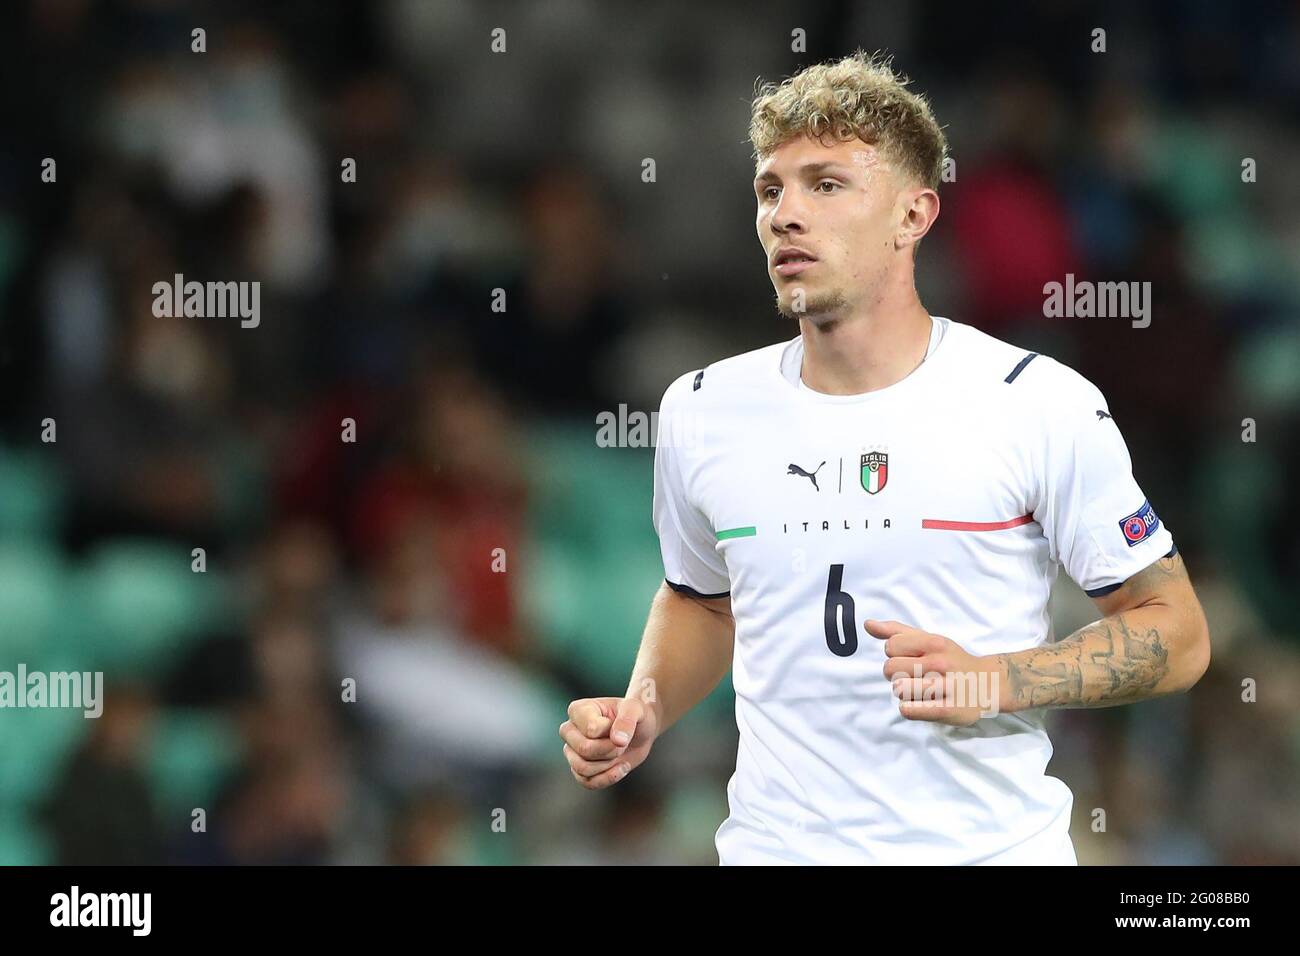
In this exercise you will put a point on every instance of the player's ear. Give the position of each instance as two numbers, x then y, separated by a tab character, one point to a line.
920	208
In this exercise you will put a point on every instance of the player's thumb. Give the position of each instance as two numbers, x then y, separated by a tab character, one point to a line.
630	713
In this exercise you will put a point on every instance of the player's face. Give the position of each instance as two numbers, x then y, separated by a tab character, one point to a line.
839	205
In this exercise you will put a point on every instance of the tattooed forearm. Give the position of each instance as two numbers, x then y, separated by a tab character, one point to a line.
1116	660
1153	641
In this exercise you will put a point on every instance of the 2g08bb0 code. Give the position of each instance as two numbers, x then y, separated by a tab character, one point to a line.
1219	898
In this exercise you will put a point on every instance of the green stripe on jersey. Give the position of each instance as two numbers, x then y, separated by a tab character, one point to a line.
737	533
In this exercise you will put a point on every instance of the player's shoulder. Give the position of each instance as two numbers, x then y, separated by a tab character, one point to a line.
1023	377
725	378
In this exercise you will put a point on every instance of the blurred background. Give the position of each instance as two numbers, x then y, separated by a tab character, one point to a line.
376	560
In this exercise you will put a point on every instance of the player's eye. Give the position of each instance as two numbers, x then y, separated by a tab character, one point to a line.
827	182
769	190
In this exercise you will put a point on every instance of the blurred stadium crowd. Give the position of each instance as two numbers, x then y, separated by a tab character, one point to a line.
376	560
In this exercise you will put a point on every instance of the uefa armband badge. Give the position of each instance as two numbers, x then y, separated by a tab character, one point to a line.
1140	525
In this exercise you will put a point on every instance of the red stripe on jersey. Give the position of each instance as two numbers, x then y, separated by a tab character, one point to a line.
936	525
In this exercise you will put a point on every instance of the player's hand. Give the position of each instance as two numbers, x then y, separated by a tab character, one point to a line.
606	738
934	679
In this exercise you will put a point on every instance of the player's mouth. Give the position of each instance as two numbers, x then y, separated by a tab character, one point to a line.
792	260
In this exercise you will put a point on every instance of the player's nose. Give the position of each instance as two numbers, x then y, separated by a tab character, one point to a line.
787	223
788	216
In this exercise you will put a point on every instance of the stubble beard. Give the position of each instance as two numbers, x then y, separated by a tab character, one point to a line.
822	309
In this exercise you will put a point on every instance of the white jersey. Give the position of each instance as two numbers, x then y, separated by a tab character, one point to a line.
945	501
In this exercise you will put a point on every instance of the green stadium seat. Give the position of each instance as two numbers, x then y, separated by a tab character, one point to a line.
31	494
34	743
32	583
191	754
138	604
22	842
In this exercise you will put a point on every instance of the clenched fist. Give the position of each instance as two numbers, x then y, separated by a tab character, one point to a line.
935	679
605	738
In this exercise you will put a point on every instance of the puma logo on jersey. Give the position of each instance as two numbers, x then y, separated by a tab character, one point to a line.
1101	414
810	475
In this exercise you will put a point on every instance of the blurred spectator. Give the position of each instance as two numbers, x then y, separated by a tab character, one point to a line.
101	811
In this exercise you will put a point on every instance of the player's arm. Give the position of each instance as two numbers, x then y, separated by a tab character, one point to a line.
685	651
688	638
1152	641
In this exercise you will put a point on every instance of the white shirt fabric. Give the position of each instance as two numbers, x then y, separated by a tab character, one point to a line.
792	358
999	466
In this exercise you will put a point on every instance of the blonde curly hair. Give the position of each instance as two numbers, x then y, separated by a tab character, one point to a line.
858	96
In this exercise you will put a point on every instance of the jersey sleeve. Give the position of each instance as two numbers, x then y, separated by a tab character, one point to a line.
686	538
1099	524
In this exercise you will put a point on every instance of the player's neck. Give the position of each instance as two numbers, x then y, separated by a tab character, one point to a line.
868	348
